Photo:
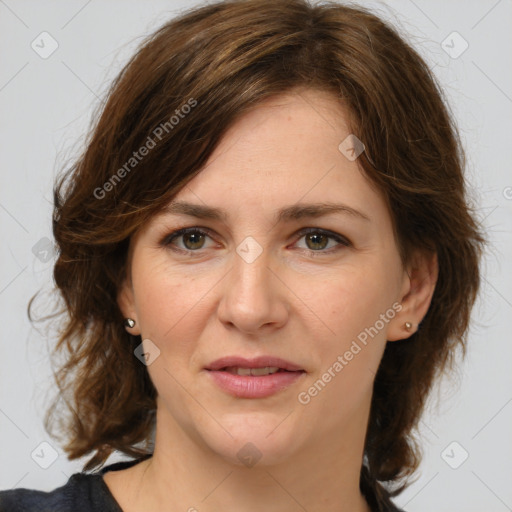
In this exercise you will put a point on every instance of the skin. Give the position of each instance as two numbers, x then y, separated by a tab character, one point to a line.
302	300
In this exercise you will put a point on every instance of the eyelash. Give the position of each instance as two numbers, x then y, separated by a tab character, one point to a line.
342	241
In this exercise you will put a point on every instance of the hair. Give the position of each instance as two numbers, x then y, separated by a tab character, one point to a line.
222	60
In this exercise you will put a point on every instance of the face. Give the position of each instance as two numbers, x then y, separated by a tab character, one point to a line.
319	289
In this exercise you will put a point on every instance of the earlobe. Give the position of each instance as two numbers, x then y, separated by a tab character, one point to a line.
126	303
419	285
400	329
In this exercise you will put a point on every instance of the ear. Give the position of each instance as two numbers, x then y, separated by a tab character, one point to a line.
126	303
418	287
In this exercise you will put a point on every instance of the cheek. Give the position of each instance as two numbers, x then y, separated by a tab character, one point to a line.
356	308
355	300
351	348
164	298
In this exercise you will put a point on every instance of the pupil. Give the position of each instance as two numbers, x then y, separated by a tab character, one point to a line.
193	243
315	239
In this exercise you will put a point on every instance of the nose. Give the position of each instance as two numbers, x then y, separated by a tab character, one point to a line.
254	296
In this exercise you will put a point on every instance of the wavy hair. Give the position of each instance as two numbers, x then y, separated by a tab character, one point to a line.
221	60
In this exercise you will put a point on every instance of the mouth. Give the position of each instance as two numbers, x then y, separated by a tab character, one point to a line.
254	378
266	364
255	372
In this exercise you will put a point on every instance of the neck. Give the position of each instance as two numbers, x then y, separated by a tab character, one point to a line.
185	475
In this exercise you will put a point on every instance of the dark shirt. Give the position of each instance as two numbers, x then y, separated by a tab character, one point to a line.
88	492
83	492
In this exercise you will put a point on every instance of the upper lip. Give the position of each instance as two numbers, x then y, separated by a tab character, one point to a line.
257	362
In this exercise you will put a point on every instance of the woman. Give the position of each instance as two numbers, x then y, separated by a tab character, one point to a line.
266	258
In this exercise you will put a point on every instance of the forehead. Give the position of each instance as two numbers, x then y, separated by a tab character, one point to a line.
285	150
286	125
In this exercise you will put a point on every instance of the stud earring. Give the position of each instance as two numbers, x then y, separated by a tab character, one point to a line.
408	326
129	322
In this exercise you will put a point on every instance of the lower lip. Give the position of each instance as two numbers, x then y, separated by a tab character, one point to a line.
247	386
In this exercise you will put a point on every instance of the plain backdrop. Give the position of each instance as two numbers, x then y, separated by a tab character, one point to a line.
46	103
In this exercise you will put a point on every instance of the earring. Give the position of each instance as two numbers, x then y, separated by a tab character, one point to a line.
408	326
129	322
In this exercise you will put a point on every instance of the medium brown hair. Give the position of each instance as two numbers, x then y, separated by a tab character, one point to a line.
227	57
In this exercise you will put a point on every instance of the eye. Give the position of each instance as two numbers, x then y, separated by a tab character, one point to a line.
318	239
192	239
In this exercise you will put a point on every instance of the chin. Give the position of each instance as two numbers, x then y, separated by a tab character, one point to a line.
257	439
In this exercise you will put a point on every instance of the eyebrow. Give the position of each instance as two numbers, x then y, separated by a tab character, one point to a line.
293	212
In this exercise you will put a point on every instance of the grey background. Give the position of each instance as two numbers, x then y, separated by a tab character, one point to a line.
45	109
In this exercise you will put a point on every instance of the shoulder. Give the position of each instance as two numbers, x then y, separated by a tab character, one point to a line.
81	493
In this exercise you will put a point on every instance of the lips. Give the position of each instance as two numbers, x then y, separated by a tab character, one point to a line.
254	378
258	362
